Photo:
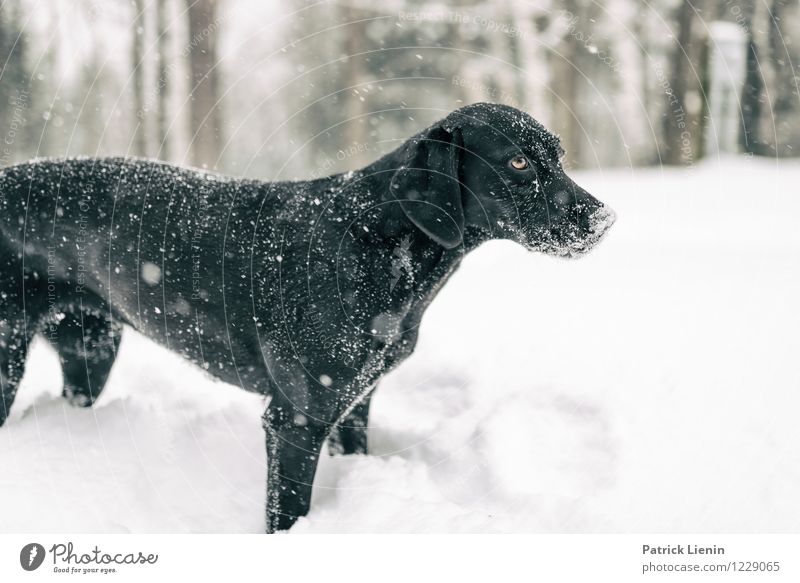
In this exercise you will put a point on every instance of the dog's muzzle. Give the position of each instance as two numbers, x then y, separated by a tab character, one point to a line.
572	240
601	221
599	224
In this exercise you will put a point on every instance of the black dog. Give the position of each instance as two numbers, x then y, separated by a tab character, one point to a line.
307	292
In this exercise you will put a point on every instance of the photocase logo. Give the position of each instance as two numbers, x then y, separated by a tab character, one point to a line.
31	556
401	261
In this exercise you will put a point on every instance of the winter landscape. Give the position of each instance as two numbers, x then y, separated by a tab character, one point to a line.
651	386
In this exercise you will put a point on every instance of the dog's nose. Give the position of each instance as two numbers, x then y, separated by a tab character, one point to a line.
567	206
576	206
573	205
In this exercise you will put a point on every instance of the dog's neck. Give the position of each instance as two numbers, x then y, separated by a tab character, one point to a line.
376	221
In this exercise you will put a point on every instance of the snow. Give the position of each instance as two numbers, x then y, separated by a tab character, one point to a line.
151	273
650	386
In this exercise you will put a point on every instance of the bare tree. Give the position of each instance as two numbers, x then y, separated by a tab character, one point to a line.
353	74
682	124
204	114
770	95
162	86
139	145
15	90
567	64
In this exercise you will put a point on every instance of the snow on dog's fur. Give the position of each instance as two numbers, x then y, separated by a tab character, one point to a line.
292	289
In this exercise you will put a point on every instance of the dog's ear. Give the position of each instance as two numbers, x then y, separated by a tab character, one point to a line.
428	186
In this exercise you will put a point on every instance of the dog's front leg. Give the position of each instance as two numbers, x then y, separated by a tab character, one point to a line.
294	441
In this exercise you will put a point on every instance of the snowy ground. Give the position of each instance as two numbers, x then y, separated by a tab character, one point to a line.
652	386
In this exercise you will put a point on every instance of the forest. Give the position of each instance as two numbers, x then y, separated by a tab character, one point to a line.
227	84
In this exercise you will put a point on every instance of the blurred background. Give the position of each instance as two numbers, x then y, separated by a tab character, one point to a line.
651	387
296	89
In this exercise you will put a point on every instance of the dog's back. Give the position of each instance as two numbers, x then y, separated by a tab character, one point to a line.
102	207
113	240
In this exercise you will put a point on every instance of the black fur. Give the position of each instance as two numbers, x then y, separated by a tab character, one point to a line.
307	292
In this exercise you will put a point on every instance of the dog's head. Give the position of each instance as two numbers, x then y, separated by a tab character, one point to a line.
492	171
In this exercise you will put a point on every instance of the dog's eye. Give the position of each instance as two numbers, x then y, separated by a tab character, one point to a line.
519	163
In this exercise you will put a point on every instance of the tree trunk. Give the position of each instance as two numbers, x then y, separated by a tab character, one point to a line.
676	118
162	87
204	114
355	125
16	120
750	135
566	66
139	144
783	24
